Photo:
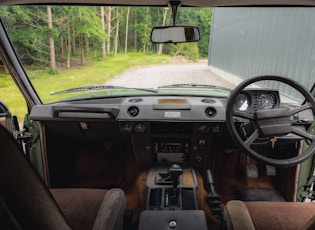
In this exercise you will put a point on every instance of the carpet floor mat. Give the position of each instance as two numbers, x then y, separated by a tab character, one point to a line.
255	194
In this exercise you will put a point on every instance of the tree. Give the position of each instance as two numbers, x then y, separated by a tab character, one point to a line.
108	19
51	40
89	32
102	16
160	46
127	24
116	42
200	17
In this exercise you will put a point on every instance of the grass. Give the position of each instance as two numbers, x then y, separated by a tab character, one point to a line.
11	96
95	73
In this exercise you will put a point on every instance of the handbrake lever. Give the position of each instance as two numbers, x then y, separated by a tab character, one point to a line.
213	199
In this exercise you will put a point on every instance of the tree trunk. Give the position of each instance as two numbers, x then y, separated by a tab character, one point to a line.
102	16
51	40
69	47
109	18
86	44
73	37
62	48
135	37
160	47
127	25
117	33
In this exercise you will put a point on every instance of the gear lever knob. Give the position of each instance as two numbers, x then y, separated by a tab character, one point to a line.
175	171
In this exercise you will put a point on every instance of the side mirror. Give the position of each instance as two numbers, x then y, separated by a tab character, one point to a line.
175	34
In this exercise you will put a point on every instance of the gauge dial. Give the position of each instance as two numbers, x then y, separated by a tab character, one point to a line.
267	101
242	102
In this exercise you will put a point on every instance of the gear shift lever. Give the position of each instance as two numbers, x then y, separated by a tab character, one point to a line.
175	171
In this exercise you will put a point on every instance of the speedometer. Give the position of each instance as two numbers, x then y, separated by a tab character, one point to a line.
267	101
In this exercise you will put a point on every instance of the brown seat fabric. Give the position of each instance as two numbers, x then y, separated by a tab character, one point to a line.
91	208
269	215
26	203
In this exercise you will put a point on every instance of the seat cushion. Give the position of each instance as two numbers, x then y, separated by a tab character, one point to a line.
280	215
261	215
91	208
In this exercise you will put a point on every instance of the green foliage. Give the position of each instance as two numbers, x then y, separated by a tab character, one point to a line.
80	28
188	50
200	17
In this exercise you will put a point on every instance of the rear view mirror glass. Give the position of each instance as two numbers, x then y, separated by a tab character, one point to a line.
175	34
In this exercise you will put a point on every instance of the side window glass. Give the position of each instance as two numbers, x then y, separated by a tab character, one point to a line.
11	98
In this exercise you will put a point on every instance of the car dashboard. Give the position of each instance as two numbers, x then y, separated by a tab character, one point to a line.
159	129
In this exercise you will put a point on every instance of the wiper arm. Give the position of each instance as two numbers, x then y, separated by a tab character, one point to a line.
100	87
194	86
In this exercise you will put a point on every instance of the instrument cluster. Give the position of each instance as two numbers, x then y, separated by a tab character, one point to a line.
252	100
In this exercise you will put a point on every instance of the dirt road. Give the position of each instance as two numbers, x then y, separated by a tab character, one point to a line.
167	74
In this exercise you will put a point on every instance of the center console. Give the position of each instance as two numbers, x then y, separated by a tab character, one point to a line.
166	192
172	150
171	199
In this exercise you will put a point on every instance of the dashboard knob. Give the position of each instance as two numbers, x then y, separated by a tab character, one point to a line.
210	112
127	128
140	128
133	111
203	128
199	159
202	142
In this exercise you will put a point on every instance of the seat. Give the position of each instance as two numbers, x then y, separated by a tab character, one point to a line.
261	215
26	203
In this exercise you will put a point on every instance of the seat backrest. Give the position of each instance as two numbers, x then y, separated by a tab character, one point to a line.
26	202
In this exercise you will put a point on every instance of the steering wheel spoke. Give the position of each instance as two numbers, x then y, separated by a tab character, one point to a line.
300	109
253	137
241	114
303	134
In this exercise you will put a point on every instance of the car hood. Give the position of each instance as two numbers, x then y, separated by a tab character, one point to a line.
178	91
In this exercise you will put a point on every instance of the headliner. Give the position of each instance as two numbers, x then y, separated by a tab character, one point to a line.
165	2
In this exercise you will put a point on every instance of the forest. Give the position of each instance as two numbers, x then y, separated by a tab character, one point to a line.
60	37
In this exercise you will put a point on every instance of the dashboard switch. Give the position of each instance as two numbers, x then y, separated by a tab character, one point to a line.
199	159
202	142
140	128
203	128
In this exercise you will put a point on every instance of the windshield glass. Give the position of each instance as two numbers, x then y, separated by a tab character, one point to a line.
77	52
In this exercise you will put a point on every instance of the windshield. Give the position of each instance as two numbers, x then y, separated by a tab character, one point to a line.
78	52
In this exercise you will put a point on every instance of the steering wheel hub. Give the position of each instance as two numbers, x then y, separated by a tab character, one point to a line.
273	122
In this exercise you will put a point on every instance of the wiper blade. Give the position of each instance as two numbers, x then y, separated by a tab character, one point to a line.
100	87
194	86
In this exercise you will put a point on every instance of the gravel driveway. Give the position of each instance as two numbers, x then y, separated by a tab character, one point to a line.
166	74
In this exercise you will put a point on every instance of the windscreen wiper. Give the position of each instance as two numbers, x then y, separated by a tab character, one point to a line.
100	87
194	86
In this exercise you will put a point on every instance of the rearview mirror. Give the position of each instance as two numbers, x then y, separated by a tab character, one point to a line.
175	34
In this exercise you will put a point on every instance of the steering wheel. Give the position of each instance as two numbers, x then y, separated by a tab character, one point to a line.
270	123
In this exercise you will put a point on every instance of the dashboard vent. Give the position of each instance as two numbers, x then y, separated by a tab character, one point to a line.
210	112
208	100
135	100
133	111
